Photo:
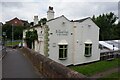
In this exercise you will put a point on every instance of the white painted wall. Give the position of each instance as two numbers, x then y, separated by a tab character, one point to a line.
84	33
76	47
39	45
54	38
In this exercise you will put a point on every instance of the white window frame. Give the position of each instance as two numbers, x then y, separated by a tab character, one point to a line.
65	47
89	46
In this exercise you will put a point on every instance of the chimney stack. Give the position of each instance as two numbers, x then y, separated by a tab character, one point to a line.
50	13
35	20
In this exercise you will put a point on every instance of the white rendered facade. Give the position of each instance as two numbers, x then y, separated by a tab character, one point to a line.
76	35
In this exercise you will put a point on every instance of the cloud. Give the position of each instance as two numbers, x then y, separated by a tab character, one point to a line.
119	10
0	11
75	10
17	0
71	9
22	10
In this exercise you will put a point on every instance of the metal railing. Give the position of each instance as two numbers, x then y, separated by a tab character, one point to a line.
109	55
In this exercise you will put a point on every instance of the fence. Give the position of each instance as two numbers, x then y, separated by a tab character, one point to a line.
109	55
48	67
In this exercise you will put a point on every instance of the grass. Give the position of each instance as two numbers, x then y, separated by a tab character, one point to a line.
12	43
93	68
113	76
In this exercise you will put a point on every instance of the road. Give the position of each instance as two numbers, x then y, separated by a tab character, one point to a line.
15	65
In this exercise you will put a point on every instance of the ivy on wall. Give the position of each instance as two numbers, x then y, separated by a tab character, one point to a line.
30	37
46	39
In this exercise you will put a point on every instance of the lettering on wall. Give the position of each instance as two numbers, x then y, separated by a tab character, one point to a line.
62	32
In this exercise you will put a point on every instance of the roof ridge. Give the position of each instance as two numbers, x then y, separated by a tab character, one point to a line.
81	20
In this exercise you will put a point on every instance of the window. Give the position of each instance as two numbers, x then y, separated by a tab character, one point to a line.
15	21
62	52
41	32
88	50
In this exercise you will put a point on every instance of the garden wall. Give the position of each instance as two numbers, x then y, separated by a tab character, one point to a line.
48	67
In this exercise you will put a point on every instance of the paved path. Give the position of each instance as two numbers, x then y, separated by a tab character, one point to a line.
15	65
105	73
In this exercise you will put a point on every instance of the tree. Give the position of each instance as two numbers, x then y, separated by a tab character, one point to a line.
17	31
42	21
93	18
8	29
118	30
31	23
106	22
30	38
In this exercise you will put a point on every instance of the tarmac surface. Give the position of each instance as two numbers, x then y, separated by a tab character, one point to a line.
15	65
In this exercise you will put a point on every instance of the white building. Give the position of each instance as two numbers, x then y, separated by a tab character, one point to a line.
68	42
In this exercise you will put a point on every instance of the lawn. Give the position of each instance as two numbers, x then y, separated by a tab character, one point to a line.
93	68
113	76
12	43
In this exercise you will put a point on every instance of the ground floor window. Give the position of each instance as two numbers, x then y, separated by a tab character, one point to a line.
62	51
88	50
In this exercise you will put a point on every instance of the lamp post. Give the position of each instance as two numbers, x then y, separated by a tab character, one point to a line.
12	36
4	35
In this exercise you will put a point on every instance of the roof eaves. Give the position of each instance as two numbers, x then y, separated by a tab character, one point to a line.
81	20
58	17
54	18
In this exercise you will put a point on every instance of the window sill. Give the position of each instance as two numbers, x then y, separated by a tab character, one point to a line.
87	55
62	58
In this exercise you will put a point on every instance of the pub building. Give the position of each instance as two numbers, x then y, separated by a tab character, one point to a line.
69	42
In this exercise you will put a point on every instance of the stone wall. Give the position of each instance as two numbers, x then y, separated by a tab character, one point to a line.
48	67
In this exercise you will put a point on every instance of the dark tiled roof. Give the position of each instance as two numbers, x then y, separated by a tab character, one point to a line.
81	20
12	19
57	18
33	27
24	21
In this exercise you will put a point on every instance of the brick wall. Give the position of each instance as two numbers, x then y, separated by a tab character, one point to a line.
48	67
15	22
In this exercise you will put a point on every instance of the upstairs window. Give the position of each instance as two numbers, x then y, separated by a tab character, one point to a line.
62	52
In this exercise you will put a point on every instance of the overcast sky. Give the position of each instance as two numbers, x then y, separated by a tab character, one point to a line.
72	9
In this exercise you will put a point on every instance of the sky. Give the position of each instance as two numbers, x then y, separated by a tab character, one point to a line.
72	9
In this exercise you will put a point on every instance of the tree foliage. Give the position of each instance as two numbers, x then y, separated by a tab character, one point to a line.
118	29
17	31
42	21
107	25
31	36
